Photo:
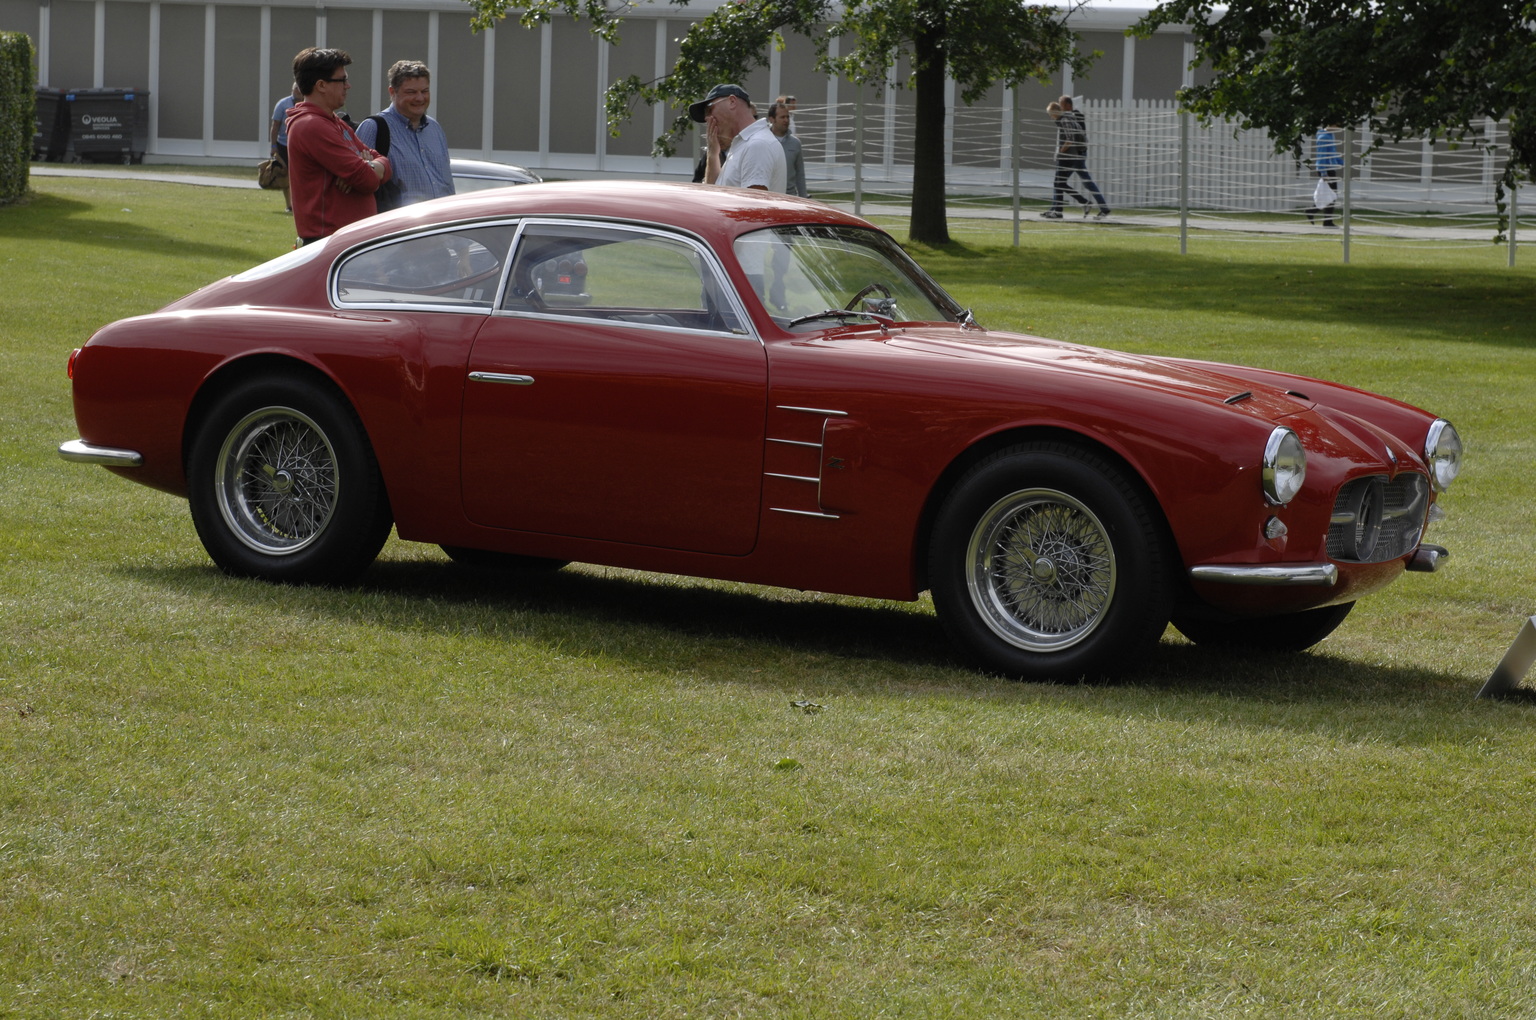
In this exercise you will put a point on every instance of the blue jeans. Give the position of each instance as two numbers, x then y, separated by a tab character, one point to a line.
1066	166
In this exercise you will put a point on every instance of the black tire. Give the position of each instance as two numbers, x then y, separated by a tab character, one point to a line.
1293	632
1091	600
284	486
480	559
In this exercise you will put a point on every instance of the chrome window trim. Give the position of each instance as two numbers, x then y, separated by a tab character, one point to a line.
333	282
710	260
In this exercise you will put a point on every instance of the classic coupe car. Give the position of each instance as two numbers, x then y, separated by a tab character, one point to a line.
756	388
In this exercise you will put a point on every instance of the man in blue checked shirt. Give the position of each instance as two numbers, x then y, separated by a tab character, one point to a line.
417	147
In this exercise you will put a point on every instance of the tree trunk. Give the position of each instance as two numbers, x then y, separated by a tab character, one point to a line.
929	224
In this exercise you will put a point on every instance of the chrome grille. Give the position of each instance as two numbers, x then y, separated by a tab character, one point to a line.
1377	518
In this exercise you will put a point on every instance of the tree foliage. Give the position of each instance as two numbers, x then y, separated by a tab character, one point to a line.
1405	68
979	43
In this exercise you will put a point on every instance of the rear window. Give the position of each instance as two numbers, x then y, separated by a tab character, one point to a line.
453	269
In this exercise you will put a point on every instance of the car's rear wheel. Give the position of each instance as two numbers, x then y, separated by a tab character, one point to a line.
284	486
1048	561
1292	632
482	559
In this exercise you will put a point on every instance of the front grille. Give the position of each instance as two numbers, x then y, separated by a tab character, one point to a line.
1377	518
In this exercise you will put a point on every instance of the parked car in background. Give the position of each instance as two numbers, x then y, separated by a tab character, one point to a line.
757	388
478	174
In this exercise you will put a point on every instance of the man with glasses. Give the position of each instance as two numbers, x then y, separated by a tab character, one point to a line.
757	158
333	175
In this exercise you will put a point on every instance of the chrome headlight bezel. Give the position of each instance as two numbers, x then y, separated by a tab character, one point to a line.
1285	466
1442	454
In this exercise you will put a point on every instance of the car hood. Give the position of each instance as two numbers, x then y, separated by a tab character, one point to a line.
1189	380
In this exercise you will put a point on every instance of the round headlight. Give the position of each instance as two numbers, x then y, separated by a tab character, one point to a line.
1285	466
1442	454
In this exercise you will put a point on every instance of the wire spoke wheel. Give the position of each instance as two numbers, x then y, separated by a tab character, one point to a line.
283	484
277	480
1048	561
1041	569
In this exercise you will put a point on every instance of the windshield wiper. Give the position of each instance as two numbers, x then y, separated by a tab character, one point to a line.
885	321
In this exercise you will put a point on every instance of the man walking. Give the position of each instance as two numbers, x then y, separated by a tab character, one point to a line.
1071	158
757	158
794	157
414	142
333	175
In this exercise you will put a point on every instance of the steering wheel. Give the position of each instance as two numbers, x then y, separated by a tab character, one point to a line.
876	286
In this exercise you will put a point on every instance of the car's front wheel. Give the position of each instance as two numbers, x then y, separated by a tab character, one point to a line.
1048	561
284	486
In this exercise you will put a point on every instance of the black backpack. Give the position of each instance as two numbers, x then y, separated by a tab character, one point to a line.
388	196
1073	129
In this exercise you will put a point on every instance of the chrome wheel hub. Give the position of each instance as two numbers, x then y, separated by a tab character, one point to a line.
277	480
1041	570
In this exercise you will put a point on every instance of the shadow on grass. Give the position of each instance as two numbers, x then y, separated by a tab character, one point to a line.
69	220
787	642
1424	302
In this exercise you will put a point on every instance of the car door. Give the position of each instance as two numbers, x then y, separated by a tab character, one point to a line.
616	393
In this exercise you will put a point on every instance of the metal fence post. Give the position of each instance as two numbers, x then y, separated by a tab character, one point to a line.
1349	173
1018	150
1183	182
1514	219
858	152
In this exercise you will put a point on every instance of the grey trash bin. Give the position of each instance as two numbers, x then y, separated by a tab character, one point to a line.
108	125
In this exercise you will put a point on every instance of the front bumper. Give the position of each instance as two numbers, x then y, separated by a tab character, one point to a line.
1426	559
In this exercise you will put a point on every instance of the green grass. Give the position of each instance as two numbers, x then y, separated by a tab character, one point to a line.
443	794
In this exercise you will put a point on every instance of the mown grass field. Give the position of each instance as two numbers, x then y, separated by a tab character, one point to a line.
589	794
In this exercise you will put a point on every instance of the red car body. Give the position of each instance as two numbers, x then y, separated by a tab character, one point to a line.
817	454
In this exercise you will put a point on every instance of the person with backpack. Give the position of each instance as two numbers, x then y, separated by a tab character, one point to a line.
414	142
1071	158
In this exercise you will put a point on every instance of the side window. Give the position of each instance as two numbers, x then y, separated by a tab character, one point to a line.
620	274
452	269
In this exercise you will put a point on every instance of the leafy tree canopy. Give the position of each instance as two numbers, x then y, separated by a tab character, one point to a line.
1406	68
980	43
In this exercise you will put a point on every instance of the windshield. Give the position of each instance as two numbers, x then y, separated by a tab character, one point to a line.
802	271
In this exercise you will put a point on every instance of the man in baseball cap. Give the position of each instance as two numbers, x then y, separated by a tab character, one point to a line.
757	158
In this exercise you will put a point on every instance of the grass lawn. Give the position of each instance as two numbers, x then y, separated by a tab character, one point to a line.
588	794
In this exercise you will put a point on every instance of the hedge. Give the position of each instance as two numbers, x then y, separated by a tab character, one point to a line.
18	111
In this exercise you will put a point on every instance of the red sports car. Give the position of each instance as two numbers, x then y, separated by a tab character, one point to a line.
739	385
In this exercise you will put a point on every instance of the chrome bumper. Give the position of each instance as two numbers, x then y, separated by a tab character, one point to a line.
79	451
1320	575
1426	559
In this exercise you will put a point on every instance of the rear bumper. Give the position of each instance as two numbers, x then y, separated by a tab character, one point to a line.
78	451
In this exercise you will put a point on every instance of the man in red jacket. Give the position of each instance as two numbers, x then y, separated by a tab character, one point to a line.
332	175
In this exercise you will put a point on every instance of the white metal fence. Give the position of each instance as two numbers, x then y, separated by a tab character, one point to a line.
1153	161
